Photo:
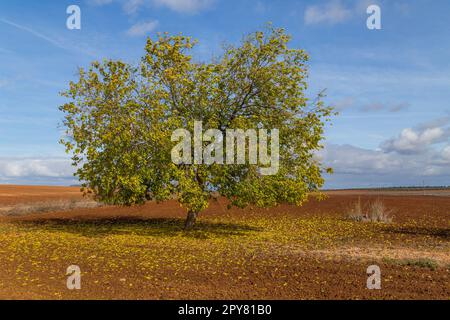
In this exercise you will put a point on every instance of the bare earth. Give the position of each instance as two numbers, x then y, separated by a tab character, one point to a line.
311	252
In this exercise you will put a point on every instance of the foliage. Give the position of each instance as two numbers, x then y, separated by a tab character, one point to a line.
120	118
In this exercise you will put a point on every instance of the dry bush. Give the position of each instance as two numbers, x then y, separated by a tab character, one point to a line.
379	213
375	212
49	206
356	212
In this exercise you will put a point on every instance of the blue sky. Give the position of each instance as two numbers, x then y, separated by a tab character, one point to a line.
391	86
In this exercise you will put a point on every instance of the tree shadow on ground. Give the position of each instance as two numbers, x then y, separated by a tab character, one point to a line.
442	233
156	227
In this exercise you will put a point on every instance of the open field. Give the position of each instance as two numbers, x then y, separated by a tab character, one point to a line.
312	252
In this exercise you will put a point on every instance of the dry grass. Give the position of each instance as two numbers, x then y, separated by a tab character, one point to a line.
48	206
418	262
379	213
374	212
356	211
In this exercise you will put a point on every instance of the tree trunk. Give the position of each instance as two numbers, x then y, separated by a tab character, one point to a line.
190	220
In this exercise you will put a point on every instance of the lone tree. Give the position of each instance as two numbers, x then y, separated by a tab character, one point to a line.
120	118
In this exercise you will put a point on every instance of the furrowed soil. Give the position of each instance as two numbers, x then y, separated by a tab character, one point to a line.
287	252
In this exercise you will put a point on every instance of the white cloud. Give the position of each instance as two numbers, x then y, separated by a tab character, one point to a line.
142	28
415	156
358	167
412	141
35	168
348	159
446	154
132	6
331	13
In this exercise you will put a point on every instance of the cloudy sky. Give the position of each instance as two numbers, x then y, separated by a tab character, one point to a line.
391	86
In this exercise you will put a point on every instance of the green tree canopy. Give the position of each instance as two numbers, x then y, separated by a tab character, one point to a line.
120	118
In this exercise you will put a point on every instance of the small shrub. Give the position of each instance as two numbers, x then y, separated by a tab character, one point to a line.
356	211
376	212
379	213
